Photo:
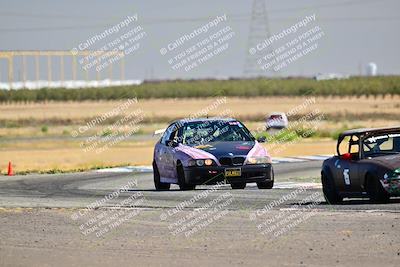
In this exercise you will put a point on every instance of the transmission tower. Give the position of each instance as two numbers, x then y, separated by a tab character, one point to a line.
259	31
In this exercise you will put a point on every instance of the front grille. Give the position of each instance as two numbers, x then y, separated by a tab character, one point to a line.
234	161
225	161
238	161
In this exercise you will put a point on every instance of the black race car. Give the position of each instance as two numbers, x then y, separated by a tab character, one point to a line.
206	151
367	165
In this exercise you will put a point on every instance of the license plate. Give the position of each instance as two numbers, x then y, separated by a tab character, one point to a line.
233	172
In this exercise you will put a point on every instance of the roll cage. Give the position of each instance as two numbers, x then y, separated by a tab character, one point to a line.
357	138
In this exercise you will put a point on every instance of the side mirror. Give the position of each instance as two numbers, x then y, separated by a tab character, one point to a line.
261	139
172	143
346	156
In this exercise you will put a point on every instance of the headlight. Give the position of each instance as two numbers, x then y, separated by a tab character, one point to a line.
201	162
386	176
208	162
258	160
392	175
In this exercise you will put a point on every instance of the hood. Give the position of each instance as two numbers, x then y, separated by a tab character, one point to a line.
391	162
219	149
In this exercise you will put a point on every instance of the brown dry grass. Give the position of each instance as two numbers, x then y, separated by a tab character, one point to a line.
66	155
179	108
44	156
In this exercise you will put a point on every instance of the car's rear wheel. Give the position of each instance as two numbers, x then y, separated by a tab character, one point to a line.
328	187
157	183
267	184
181	180
375	190
238	185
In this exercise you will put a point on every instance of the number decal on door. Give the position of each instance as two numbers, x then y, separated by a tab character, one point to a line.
346	176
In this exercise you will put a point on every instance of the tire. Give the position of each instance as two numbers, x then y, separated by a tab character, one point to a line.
181	180
267	184
375	190
328	187
238	185
157	184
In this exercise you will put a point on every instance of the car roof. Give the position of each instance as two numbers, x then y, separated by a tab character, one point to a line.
181	121
276	113
369	131
365	133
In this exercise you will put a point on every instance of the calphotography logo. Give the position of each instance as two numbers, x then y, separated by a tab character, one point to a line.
111	45
274	223
295	48
99	223
114	29
202	44
125	124
185	221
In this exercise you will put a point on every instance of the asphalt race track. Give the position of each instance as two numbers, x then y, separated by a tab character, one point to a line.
41	225
77	190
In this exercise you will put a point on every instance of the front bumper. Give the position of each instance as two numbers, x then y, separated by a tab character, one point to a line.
214	174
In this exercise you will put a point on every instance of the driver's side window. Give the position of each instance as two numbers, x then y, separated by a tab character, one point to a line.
386	145
169	134
379	145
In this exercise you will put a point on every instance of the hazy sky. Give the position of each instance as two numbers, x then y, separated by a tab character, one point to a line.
355	32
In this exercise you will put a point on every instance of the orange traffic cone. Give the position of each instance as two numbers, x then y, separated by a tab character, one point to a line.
10	170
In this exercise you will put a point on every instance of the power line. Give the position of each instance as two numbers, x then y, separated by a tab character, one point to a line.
153	22
232	17
63	16
46	16
324	5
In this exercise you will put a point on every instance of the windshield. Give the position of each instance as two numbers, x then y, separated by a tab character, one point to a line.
382	144
197	133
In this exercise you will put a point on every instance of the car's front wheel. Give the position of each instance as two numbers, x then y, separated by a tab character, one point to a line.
181	180
267	184
328	187
157	183
375	190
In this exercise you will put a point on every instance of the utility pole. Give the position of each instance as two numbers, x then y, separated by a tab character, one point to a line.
258	31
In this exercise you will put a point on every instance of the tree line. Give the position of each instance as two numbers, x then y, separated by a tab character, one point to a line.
354	86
